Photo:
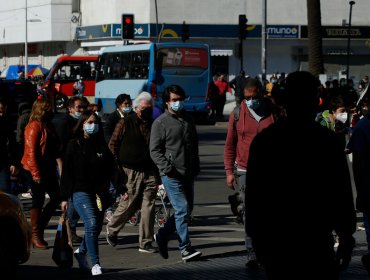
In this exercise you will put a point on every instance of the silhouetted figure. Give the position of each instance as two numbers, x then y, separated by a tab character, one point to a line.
295	199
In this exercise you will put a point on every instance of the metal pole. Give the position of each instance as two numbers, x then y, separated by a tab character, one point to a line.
25	46
351	3
241	54
263	42
156	21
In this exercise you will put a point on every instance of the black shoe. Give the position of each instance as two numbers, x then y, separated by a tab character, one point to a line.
234	204
111	239
76	238
190	254
162	246
148	248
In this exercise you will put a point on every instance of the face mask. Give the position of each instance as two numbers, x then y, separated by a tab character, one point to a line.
76	115
126	110
274	81
146	114
91	128
342	117
177	106
253	103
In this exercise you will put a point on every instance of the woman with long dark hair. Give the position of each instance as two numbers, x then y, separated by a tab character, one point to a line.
87	170
40	157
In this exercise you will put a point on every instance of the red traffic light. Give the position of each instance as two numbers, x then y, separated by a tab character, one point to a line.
128	26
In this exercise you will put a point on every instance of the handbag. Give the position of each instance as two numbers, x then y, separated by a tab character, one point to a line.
63	247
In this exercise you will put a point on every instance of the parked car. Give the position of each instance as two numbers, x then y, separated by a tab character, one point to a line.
15	235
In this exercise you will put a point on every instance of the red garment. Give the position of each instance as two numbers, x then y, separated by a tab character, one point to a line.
223	87
237	147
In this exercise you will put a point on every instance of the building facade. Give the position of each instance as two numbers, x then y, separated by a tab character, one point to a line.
54	27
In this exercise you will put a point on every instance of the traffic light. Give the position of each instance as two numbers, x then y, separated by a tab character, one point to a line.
242	27
128	26
185	34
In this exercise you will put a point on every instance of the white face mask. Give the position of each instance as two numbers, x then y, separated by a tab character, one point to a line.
342	117
91	128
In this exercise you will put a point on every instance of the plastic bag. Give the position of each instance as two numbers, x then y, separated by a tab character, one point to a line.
63	248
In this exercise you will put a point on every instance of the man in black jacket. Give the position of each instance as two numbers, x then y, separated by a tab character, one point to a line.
283	180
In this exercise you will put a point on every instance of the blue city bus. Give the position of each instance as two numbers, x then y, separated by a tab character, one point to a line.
152	67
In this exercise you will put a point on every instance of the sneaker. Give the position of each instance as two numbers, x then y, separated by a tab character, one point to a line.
81	259
96	270
75	238
361	227
111	239
162	246
27	195
251	258
190	254
148	248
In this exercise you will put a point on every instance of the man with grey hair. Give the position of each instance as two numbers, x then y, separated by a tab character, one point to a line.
130	146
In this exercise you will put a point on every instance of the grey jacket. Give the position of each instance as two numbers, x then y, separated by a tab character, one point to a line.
174	144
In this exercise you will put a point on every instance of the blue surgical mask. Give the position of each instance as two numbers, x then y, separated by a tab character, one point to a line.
253	103
91	128
76	115
177	106
126	110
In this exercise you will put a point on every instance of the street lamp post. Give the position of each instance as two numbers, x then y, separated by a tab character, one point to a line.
351	3
25	47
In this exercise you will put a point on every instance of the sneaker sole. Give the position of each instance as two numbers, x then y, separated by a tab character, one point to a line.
148	252
193	256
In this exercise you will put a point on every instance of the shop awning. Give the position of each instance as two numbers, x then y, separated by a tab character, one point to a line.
221	52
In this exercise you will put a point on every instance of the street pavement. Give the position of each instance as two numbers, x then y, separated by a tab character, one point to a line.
214	232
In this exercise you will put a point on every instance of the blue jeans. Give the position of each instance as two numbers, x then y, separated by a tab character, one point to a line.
181	195
85	205
72	215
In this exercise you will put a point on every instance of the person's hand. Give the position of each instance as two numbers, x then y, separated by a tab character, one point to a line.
13	170
173	173
37	180
125	196
230	181
344	251
64	206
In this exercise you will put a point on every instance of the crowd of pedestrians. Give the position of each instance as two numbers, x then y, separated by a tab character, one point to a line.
279	130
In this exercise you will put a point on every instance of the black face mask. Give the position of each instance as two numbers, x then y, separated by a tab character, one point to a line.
146	114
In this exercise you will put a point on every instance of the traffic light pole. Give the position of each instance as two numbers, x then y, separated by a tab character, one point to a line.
241	54
263	42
